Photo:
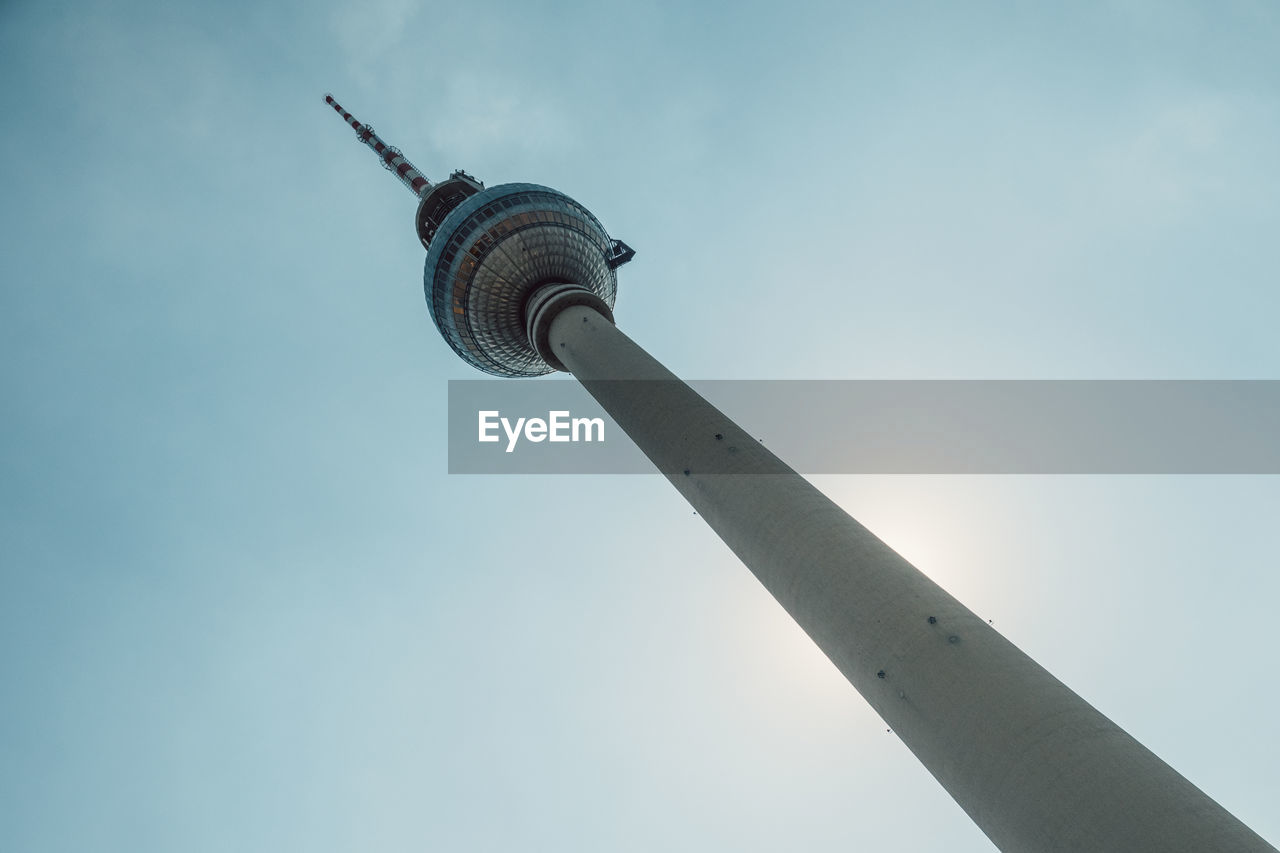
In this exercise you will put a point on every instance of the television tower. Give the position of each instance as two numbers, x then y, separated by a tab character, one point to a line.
521	280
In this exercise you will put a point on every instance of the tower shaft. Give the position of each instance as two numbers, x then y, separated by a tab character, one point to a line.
1033	764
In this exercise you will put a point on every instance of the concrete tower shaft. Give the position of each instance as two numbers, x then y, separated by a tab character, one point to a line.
1033	764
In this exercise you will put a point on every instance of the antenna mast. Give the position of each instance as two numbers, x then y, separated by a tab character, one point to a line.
391	158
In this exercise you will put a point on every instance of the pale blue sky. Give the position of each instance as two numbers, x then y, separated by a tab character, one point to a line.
244	608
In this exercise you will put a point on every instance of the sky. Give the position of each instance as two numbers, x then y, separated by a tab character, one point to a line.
244	607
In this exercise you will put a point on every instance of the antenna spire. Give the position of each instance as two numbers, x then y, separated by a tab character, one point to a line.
391	158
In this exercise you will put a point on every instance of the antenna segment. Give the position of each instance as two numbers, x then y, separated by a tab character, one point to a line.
391	158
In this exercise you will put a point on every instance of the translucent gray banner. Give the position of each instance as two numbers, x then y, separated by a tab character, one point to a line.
896	427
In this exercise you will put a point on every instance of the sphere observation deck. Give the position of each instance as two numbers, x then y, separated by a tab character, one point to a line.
489	253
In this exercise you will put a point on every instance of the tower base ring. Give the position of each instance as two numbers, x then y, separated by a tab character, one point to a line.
543	306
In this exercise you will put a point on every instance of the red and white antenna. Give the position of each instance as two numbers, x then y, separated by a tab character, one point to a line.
391	158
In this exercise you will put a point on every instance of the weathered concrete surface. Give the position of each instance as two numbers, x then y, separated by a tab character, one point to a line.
1034	765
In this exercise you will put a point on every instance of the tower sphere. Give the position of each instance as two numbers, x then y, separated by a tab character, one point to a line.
488	255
